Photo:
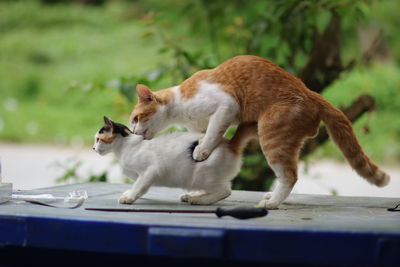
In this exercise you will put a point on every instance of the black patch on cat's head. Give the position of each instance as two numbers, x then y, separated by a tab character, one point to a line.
115	127
191	149
121	129
104	129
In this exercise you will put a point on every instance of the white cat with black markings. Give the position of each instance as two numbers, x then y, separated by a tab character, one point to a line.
167	161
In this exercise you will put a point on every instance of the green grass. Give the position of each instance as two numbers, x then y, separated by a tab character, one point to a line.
43	49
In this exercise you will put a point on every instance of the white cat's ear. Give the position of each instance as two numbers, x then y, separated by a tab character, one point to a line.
144	93
108	121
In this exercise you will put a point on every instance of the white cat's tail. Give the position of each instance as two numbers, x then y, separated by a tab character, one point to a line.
341	131
244	133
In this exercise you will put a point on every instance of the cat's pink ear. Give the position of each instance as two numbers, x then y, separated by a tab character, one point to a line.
144	93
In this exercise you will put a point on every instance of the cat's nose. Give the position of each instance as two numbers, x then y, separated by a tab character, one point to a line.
93	148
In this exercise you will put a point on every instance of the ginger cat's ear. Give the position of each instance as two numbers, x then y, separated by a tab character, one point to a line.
144	93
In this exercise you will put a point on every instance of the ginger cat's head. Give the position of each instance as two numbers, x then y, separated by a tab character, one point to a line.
105	137
148	116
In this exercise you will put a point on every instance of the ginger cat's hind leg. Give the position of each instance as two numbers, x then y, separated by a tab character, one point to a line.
281	136
287	177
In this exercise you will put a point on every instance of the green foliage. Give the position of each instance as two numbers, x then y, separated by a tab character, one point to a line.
70	168
279	30
102	177
51	59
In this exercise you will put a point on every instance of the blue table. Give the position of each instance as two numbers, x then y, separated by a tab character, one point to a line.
307	229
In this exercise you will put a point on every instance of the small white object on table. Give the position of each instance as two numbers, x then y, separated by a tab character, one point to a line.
5	189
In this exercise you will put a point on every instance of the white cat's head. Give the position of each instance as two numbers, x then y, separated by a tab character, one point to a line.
149	116
106	136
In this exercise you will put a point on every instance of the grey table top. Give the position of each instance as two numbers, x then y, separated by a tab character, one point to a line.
298	213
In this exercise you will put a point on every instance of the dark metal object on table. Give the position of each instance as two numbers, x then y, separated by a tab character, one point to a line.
239	212
397	208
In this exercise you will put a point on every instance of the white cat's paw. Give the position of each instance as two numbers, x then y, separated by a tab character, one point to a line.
269	205
198	200
200	154
185	197
127	198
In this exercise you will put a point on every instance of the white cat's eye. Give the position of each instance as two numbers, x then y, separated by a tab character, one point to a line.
97	139
135	119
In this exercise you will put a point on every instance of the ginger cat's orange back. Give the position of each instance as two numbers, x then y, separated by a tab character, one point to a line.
254	82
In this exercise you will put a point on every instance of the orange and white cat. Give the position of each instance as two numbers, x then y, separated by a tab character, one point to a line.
250	89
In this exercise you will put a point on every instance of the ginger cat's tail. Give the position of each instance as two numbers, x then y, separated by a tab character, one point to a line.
341	131
244	133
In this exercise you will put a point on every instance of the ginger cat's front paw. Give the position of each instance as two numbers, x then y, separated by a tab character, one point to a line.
127	198
267	195
268	204
200	154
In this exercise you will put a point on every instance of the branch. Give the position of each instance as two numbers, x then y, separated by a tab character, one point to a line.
324	63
